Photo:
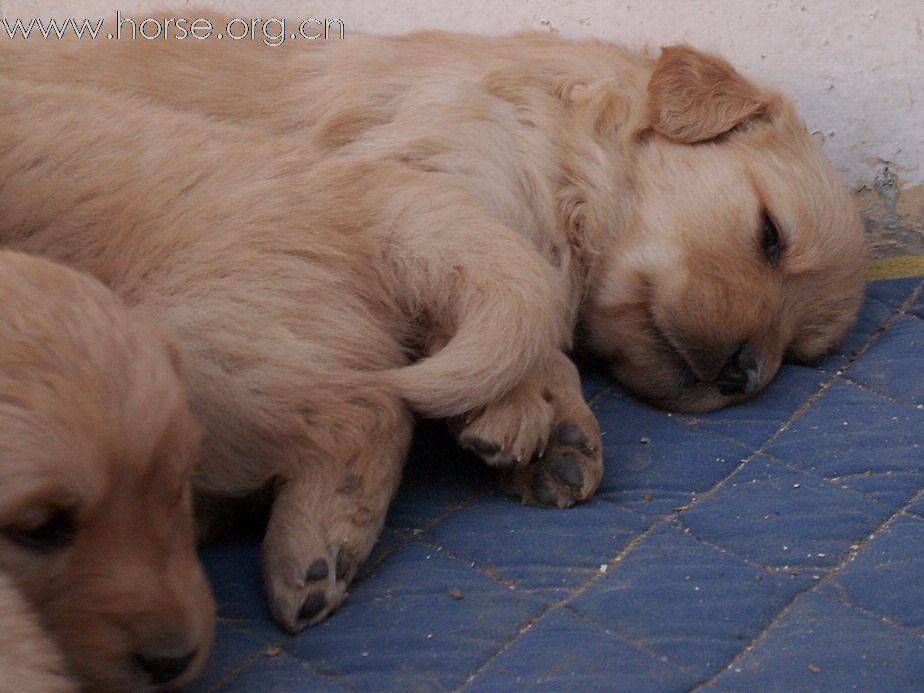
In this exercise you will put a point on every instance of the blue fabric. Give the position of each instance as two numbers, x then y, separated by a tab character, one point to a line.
772	546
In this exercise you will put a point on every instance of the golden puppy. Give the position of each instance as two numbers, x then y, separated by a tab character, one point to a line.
96	531
339	230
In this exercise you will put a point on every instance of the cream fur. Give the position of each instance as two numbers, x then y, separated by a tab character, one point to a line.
338	230
29	660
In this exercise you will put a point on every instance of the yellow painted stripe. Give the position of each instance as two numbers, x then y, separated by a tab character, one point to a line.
895	267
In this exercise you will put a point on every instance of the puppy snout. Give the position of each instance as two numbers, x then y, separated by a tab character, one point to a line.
163	669
740	375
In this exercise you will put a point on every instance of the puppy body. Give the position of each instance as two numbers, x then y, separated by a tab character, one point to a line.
96	450
575	146
466	204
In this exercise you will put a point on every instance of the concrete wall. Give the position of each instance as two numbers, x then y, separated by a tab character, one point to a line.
855	68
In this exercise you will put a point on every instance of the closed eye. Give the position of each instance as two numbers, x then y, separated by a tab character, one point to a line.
54	532
770	241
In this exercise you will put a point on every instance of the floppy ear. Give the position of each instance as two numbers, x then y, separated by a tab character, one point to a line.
693	97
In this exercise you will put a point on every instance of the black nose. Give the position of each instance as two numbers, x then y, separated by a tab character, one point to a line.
164	669
739	375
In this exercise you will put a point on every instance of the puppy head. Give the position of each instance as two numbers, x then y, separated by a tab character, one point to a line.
745	250
97	445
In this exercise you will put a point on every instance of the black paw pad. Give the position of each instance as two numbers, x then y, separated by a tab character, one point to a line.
318	570
567	470
542	492
570	435
313	605
485	447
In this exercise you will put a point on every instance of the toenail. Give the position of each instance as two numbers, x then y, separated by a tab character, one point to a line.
317	571
313	605
567	470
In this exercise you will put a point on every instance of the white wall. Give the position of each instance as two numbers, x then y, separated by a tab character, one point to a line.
855	68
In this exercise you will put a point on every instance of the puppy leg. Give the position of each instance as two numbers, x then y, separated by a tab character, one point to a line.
485	303
542	435
330	511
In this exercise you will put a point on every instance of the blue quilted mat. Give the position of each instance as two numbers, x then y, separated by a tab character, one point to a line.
774	546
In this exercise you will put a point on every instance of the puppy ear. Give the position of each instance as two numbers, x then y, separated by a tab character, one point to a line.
693	97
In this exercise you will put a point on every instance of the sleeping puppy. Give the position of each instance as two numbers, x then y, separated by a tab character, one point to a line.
427	223
97	443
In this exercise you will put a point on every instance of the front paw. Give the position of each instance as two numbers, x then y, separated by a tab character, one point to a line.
509	432
568	472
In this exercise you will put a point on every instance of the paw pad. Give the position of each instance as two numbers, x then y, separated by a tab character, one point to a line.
567	470
318	570
569	435
542	491
484	447
313	604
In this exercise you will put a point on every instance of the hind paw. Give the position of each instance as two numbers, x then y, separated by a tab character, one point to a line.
542	435
302	597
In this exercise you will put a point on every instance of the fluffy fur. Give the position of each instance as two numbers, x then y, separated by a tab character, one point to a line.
341	231
97	445
29	660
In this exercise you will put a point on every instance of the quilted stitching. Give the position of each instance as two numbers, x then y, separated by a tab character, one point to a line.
771	546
